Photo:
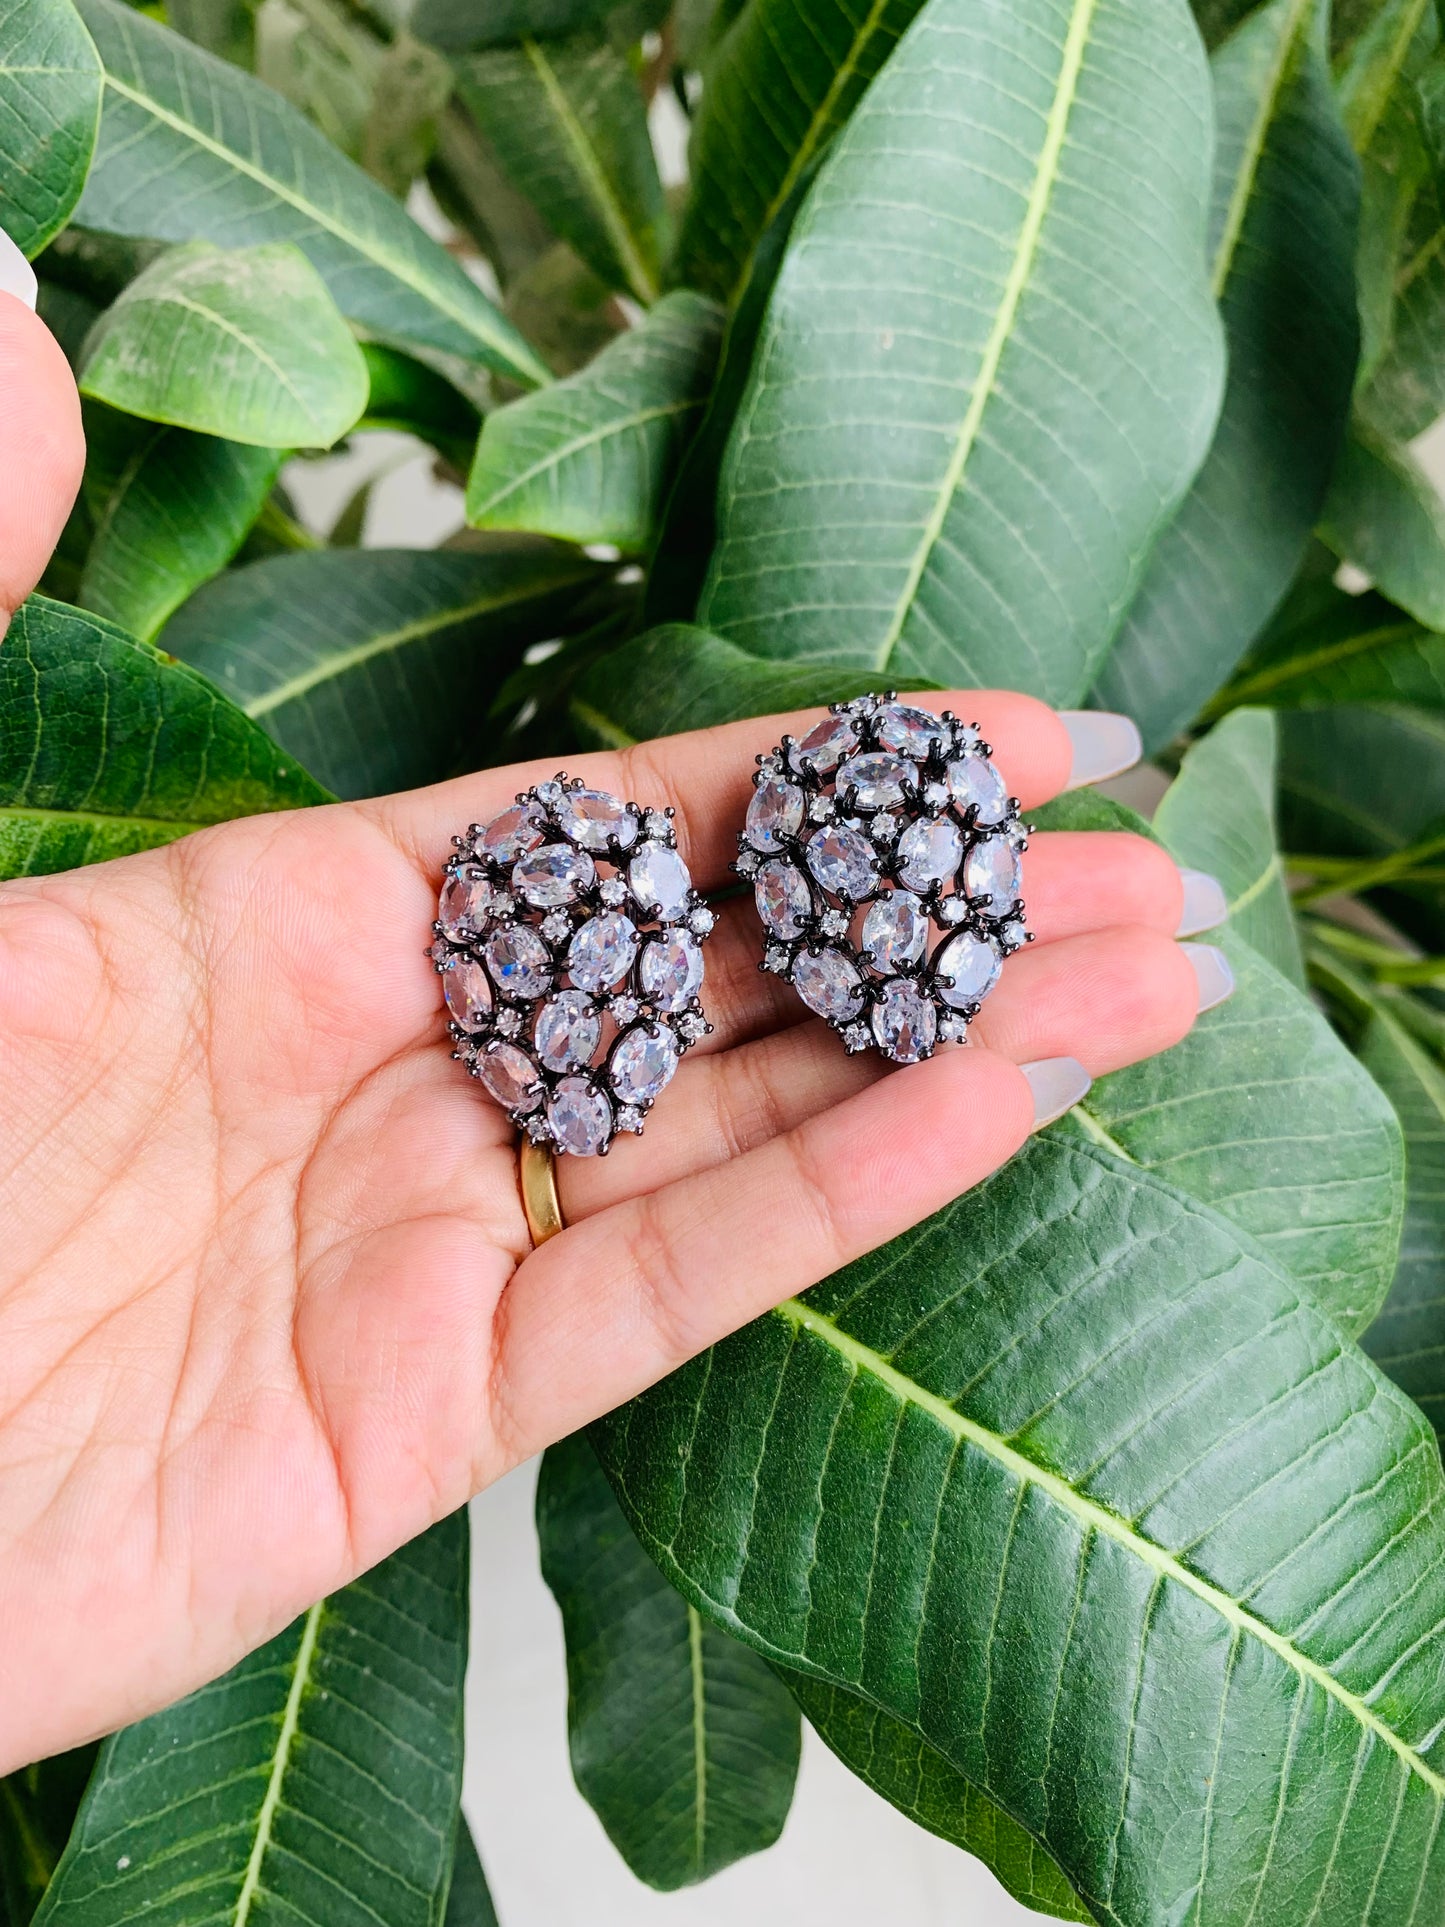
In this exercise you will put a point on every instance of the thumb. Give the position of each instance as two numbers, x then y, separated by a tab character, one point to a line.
42	448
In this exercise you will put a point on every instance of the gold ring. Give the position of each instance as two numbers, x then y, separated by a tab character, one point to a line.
537	1169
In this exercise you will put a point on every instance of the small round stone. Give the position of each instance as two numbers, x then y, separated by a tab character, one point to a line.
593	819
843	861
785	903
829	983
613	891
660	881
520	963
511	1077
993	871
569	1030
601	952
929	852
905	1021
894	931
909	730
642	1063
580	1117
513	833
877	781
827	743
775	810
468	993
464	899
975	782
670	970
973	964
554	874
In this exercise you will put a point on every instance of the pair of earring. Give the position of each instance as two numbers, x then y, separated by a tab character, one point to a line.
884	854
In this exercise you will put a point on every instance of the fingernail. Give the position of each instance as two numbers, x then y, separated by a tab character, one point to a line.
1212	973
1105	744
1205	904
1057	1084
17	277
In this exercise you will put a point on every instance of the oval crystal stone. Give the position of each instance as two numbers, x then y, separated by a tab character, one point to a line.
569	1030
894	931
463	900
827	743
876	781
905	1021
775	810
513	833
520	963
511	1077
785	903
553	875
829	983
973	964
929	852
909	730
643	1061
660	881
601	952
594	819
580	1117
842	861
993	871
670	971
974	780
468	993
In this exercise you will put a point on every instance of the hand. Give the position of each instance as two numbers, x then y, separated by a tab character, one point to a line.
267	1303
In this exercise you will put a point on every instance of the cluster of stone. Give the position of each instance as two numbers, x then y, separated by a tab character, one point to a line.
885	854
569	945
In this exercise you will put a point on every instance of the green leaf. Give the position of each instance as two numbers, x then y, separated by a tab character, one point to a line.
904	1769
924	478
1218	815
38	1805
191	149
406	394
108	746
1384	515
590	458
316	1781
1073	1481
781	83
373	666
413	85
1329	647
169	508
568	123
1283	238
684	1742
457	25
1394	167
49	111
469	1904
246	344
1400	32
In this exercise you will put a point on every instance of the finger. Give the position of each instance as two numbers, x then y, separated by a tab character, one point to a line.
1108	998
625	1297
44	449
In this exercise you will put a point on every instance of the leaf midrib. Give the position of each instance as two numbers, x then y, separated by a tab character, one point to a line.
285	1739
1099	1519
613	426
1045	177
699	1736
1254	146
1297	668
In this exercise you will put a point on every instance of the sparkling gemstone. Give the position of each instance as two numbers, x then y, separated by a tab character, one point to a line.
468	993
464	899
911	731
553	875
827	743
594	819
520	963
974	780
670	970
701	920
659	824
692	1025
629	1119
557	927
835	923
929	852
569	1030
952	909
509	1022
513	833
602	951
775	810
511	1077
894	931
905	1021
828	982
580	1117
625	1009
642	1063
747	863
993	870
660	880
775	958
820	809
842	861
935	795
613	890
973	963
785	903
876	781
